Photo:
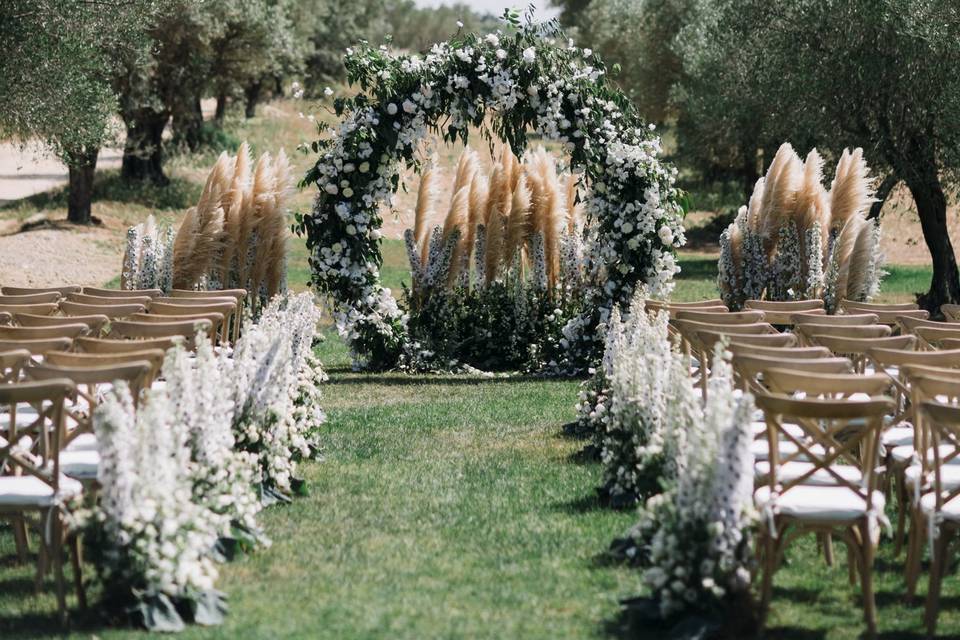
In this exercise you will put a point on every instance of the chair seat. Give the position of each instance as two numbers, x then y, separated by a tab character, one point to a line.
820	503
83	442
949	476
898	436
792	470
761	449
32	492
904	454
949	511
81	465
760	428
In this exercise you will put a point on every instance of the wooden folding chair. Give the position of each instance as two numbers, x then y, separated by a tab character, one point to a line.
768	340
227	307
857	348
33	298
848	510
806	332
724	318
118	310
738	348
107	346
909	323
38	309
94	360
844	319
941	505
749	369
186	329
688	330
29	291
933	336
122	293
240	295
85	298
853	306
33	490
71	330
215	319
951	312
37	348
95	322
81	463
781	312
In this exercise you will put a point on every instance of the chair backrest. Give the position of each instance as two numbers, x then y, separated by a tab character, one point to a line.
39	308
122	293
857	348
951	312
845	319
29	291
43	333
830	385
781	312
185	328
889	358
117	310
933	335
691	326
772	340
950	343
893	317
86	379
910	323
95	323
793	353
12	363
36	347
852	306
748	368
847	431
723	318
192	308
941	427
153	318
241	294
208	301
807	332
33	298
85	298
112	346
93	360
48	398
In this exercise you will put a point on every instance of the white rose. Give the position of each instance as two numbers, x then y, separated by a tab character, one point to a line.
529	55
626	228
351	230
348	193
392	109
409	106
331	188
364	167
666	235
337	247
501	54
375	234
492	40
328	92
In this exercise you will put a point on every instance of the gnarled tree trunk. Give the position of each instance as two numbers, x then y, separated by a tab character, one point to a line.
931	203
221	110
252	94
143	150
82	167
188	123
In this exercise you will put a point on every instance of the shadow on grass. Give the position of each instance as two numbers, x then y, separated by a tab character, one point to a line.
589	503
108	186
401	380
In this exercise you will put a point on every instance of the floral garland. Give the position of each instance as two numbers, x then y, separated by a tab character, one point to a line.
503	85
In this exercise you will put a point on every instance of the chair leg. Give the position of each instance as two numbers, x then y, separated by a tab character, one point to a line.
769	563
828	549
915	538
937	567
866	580
56	552
901	515
76	558
20	538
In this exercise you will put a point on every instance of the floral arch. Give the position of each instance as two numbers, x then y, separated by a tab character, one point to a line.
504	85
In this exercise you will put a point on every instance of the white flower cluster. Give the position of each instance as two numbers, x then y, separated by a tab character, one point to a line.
650	406
273	415
154	538
224	477
148	257
699	549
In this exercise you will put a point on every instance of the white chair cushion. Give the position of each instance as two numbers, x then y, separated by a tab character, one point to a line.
81	465
792	470
826	504
949	476
760	428
898	436
83	442
30	491
761	449
904	454
950	510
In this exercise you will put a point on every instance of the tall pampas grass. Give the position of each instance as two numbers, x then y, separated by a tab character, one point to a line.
851	193
518	226
424	212
455	228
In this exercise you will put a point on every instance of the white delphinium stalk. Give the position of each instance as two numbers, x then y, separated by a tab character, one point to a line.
755	267
479	254
813	258
416	268
152	538
831	275
439	267
875	271
538	252
165	278
131	258
147	278
700	552
785	270
727	272
434	254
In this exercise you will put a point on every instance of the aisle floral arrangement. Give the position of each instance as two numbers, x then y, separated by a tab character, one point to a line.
502	85
798	241
495	279
221	437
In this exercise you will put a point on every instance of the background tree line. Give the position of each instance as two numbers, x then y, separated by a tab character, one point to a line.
732	79
81	74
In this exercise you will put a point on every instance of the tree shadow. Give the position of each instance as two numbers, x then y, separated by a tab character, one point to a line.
585	504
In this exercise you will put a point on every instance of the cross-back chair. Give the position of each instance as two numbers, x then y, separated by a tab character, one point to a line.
849	510
86	298
781	312
909	323
857	348
933	336
95	322
118	309
227	307
29	291
806	332
107	346
121	293
37	308
69	330
33	298
187	329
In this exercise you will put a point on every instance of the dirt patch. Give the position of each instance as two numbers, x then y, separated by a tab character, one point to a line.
60	254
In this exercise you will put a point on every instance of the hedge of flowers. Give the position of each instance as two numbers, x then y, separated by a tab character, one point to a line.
221	437
504	85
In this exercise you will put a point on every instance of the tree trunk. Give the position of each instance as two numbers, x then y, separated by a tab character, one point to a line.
188	124
82	168
252	93
931	203
883	192
143	150
221	109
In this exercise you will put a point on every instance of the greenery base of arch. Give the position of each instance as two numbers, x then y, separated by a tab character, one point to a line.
504	85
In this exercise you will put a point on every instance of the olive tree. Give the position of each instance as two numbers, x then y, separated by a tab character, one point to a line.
55	78
880	74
